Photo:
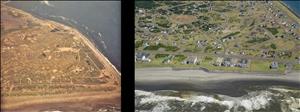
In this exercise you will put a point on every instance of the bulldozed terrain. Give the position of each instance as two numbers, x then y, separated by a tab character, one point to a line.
45	64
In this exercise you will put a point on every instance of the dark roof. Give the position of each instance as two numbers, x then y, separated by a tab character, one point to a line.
141	54
274	64
244	61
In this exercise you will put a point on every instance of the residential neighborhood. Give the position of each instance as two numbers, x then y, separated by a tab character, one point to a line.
229	36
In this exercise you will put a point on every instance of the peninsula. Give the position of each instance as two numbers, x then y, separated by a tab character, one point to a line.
47	66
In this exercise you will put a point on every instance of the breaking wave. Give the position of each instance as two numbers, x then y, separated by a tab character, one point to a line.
47	3
273	99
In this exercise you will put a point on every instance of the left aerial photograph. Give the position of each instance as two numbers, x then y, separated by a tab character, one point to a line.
60	56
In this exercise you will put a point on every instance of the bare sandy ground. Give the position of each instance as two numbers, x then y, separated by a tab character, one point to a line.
145	75
76	102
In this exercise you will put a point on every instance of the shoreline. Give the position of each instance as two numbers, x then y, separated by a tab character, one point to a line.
287	10
24	102
217	70
72	30
98	54
143	73
290	9
152	79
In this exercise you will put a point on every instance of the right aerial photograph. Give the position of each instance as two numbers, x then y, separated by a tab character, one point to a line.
217	56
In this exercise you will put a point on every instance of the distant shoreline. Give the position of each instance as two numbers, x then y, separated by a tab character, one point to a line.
290	9
72	27
287	10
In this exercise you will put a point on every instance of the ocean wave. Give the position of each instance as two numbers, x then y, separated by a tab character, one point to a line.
273	99
47	3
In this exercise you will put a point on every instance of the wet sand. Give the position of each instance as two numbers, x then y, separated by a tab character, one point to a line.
233	84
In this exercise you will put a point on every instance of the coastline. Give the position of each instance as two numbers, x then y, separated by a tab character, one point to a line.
98	54
101	57
151	79
25	102
287	10
290	9
167	73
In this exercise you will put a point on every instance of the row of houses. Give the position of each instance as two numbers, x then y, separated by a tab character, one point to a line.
232	62
145	57
220	61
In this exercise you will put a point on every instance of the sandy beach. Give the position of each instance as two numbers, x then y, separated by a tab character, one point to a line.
152	79
157	74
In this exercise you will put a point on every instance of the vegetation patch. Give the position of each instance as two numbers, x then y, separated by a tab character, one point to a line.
231	34
273	46
257	40
154	47
163	22
161	55
138	43
274	31
208	58
180	57
160	45
171	48
146	4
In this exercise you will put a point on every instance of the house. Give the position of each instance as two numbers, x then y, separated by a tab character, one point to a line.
191	60
145	44
218	61
274	65
226	62
243	63
234	62
142	56
229	62
201	43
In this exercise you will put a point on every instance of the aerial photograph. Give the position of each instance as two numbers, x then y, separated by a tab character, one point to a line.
217	56
60	56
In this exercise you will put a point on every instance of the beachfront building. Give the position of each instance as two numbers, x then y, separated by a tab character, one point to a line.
191	60
243	63
218	61
142	57
274	65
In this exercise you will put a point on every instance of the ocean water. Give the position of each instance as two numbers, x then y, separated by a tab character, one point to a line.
100	21
222	96
293	5
272	99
